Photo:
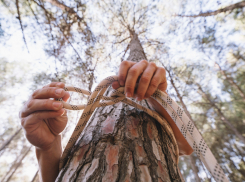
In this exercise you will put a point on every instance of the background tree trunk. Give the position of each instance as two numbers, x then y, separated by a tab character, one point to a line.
121	143
232	82
222	116
222	10
16	165
192	159
7	142
35	177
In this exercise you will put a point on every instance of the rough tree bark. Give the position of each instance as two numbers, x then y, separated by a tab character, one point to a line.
121	143
222	10
222	116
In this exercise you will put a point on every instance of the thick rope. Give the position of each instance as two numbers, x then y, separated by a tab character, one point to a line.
183	122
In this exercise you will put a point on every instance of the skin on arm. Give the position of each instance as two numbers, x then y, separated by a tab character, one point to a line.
43	120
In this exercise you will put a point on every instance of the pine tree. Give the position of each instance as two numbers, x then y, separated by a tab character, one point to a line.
126	144
70	40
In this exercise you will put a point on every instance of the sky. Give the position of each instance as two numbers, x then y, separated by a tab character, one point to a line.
35	60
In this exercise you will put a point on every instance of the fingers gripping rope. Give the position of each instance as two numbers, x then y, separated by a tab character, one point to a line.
185	125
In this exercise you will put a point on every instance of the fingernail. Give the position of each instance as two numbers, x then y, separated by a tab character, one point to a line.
58	91
56	104
128	94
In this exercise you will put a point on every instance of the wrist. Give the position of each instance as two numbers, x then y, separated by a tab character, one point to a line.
54	151
48	161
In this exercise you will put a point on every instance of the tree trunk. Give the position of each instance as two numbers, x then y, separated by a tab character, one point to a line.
194	168
232	82
222	10
7	142
192	159
35	177
121	143
222	116
15	166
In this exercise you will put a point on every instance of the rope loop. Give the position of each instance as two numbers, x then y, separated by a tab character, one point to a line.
182	121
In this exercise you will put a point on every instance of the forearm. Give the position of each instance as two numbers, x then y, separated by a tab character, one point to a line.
48	161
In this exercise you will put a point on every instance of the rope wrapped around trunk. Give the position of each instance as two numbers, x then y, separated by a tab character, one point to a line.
184	124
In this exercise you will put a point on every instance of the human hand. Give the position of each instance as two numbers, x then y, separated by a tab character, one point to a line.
149	75
44	119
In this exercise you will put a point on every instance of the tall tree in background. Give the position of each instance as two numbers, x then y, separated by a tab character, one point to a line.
223	137
192	159
55	26
229	102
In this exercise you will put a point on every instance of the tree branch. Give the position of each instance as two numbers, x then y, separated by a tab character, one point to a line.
35	177
119	42
125	51
64	8
19	18
221	114
7	142
122	22
222	10
47	13
232	82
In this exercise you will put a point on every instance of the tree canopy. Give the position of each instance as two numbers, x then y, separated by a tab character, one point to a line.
199	43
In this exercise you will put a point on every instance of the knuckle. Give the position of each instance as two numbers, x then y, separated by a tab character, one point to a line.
45	103
154	83
133	71
50	90
121	77
162	70
144	61
30	104
153	64
145	79
34	94
129	87
125	63
60	84
165	86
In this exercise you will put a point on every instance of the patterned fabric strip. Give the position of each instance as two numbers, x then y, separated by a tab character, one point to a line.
185	125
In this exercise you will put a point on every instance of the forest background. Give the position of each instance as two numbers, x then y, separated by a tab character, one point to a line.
200	43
